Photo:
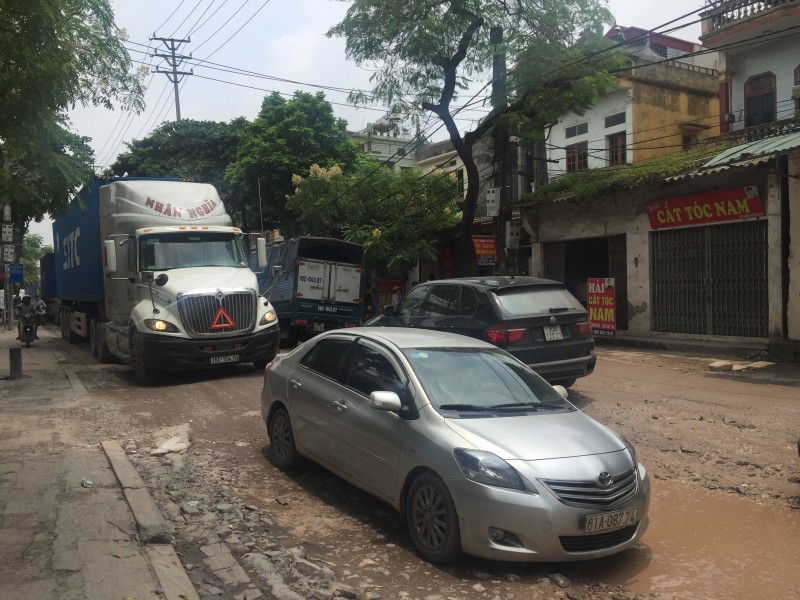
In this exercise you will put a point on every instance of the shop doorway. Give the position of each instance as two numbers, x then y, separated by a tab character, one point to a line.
575	261
710	280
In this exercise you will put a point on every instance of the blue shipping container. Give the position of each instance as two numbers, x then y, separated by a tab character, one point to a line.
76	241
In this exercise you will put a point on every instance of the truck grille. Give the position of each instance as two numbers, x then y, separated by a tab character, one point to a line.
591	494
202	317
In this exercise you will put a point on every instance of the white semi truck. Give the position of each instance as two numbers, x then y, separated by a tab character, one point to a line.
152	272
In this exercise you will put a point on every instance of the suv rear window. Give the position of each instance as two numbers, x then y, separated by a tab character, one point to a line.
530	301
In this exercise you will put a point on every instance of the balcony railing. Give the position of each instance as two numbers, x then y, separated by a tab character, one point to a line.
757	132
719	14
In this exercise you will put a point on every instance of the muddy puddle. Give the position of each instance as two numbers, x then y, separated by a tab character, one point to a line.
710	546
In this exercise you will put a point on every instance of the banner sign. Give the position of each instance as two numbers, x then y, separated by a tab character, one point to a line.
15	272
701	209
602	305
485	249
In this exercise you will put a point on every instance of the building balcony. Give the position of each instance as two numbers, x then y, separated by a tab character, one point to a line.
757	132
730	21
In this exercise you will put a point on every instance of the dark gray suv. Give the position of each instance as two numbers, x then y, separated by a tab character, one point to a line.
536	320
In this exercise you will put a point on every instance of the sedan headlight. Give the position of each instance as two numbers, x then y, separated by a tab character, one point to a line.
269	317
487	468
161	326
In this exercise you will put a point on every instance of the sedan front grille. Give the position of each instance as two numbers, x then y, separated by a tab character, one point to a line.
202	317
597	541
590	494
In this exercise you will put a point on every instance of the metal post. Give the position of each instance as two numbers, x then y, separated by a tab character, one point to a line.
173	60
15	362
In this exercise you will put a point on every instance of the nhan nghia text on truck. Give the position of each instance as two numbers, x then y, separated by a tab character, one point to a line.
152	272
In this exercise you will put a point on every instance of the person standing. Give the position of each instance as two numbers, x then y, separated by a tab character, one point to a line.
395	297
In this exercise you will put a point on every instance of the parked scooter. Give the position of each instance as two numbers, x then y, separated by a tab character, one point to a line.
28	329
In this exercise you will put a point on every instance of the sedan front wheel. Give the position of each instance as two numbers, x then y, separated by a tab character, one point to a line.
432	519
283	451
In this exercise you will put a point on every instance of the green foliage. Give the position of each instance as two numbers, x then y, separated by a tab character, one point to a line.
195	150
56	53
287	137
595	183
424	54
551	80
394	216
32	251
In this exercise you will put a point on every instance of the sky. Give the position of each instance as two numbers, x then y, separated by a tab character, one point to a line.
282	39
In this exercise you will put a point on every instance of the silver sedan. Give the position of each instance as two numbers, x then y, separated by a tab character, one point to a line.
477	452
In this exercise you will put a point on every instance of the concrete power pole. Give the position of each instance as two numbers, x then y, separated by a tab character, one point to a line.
173	60
504	155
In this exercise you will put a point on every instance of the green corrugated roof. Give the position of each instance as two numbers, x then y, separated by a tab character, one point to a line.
765	147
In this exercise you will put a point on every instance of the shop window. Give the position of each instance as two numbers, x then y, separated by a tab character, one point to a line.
617	151
759	98
577	157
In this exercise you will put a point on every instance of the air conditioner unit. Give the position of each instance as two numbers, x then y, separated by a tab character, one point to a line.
796	92
730	118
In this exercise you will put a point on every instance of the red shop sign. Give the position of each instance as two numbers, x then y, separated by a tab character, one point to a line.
700	209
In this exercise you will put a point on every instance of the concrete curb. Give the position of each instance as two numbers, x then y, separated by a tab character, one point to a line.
153	530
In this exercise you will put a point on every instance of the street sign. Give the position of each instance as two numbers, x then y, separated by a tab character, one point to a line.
7	212
15	273
7	233
8	253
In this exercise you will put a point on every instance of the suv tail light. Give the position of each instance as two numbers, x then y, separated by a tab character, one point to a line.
585	329
501	334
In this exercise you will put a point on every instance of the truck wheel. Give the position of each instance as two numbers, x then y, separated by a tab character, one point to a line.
144	375
103	352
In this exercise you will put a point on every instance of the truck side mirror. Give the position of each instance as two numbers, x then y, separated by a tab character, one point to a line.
161	280
110	252
261	245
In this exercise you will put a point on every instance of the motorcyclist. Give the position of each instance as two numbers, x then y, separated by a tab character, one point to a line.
26	307
39	309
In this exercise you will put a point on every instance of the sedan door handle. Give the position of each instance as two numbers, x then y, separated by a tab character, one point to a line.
340	406
295	383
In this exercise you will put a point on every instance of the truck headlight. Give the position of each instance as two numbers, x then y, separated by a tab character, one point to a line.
269	317
161	326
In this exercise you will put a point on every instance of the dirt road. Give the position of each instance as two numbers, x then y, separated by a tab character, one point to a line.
719	448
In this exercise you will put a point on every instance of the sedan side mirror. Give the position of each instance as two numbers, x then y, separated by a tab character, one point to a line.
561	390
388	310
389	401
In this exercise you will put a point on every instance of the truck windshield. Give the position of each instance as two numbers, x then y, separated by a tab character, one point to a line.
189	249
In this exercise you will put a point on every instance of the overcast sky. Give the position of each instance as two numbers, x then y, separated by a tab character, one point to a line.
278	38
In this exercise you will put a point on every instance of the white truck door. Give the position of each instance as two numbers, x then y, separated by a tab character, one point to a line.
311	279
345	284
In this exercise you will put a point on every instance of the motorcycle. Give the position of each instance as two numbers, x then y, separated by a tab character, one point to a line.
28	329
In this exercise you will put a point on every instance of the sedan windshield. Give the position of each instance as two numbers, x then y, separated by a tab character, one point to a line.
188	249
482	380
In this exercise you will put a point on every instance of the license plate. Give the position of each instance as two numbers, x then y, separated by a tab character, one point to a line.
552	333
318	327
612	520
219	360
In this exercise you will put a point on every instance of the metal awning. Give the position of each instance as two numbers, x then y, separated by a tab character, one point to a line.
745	155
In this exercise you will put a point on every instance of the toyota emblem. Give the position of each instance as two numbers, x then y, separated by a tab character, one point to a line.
605	479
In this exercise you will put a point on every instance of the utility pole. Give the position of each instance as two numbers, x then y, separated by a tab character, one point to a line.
173	60
501	148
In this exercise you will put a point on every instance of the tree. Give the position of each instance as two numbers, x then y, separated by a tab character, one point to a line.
394	216
56	53
424	53
287	137
32	251
197	150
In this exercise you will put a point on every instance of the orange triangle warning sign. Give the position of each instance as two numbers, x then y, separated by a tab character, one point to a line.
222	320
